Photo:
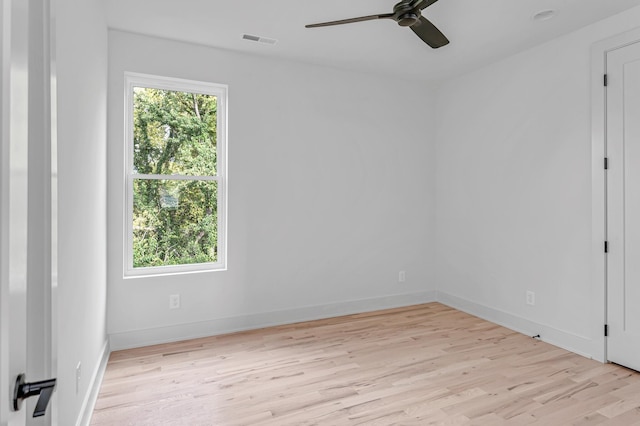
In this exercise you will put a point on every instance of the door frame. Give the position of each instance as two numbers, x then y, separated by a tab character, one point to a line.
599	53
27	154
14	206
5	59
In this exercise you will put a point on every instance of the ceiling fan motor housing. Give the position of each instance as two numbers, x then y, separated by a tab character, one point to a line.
406	14
408	19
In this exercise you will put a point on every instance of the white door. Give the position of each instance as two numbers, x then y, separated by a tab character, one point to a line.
623	206
25	211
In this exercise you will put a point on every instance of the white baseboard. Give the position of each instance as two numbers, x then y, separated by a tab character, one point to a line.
89	402
139	338
572	342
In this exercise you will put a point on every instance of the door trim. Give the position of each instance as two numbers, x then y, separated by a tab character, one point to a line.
5	51
598	185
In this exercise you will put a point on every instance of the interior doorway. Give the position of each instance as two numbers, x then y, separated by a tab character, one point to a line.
622	142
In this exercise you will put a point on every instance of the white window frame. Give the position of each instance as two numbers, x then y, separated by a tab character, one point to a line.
180	85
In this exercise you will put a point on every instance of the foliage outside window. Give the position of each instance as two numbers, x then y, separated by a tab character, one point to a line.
176	185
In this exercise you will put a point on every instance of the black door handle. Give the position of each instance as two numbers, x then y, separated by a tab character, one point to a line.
23	390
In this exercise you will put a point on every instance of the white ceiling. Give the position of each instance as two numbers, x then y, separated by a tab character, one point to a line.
481	31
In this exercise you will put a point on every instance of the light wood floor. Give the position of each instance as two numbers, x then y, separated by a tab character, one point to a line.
421	365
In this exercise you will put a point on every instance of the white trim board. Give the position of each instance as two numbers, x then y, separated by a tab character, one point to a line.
139	338
89	401
174	333
572	342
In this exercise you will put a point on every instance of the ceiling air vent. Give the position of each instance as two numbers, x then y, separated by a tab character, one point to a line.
263	40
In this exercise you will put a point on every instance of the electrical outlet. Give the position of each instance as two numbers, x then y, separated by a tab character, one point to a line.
174	301
531	298
402	277
78	375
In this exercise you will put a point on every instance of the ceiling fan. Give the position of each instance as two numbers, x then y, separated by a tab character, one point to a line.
407	13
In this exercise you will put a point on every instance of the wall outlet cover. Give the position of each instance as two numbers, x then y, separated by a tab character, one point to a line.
174	301
531	298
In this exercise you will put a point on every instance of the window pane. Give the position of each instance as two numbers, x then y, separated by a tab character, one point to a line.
174	132
174	222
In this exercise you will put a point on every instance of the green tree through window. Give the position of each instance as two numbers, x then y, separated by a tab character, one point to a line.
174	178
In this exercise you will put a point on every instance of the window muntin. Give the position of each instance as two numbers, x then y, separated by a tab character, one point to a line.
175	177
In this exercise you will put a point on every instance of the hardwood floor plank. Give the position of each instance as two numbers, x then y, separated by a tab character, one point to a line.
419	365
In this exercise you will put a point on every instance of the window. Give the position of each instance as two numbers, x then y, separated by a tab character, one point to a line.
175	175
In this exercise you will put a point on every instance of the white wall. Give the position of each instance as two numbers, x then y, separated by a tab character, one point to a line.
333	190
82	81
514	189
331	194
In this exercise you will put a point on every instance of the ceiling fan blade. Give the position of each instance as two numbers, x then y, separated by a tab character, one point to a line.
429	33
423	4
349	21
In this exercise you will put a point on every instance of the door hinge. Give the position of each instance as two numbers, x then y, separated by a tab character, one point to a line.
606	330
606	246
606	163
606	80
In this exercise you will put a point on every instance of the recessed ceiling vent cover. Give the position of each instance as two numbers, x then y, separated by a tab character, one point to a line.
263	40
544	15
